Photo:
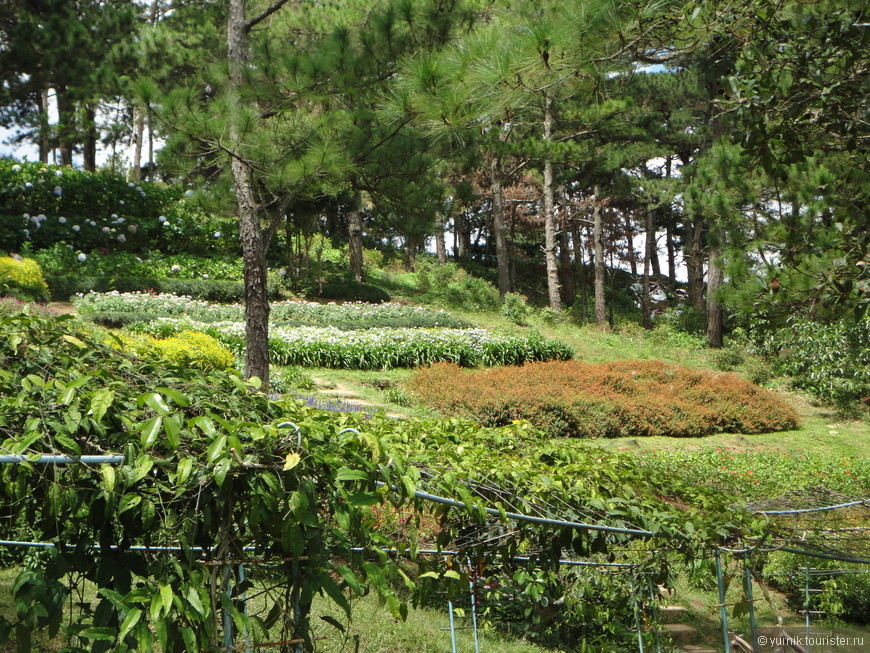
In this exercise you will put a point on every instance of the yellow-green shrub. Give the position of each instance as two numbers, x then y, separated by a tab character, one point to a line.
194	349
22	278
187	349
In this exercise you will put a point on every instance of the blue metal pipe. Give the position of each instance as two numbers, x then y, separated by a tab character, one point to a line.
529	518
112	459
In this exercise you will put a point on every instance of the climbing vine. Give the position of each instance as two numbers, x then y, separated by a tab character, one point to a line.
215	474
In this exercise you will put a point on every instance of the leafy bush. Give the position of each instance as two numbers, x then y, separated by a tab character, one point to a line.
450	285
44	204
829	360
844	593
187	349
573	399
514	308
62	260
376	348
350	290
22	278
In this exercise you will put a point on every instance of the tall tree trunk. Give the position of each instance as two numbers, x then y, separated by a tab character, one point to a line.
253	256
648	251
598	246
714	308
44	127
89	139
135	172
355	244
629	234
550	213
502	256
440	242
672	259
65	125
411	247
693	256
463	236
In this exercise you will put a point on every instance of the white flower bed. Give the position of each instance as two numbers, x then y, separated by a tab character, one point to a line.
382	348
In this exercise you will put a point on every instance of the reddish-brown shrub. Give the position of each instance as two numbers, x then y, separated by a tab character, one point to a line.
624	398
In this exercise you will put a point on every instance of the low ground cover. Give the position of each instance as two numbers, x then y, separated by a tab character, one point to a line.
628	398
380	348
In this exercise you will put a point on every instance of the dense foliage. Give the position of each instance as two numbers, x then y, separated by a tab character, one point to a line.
22	278
627	398
207	468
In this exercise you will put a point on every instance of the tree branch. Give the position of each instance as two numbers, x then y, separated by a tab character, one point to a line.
259	19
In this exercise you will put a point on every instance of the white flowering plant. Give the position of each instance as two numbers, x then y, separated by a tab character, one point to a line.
380	348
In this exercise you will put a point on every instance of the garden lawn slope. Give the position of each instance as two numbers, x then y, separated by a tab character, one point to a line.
625	398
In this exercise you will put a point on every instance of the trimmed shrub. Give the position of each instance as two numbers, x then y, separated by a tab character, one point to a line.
625	398
22	279
350	290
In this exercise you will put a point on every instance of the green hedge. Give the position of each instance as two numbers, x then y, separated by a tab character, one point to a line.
62	288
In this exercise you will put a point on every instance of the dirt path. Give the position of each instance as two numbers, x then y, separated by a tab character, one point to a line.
341	392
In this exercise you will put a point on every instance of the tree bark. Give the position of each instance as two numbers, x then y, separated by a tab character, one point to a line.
499	228
65	126
463	236
648	251
694	263
550	213
135	173
355	245
714	308
89	139
669	243
253	256
44	127
629	234
440	244
598	246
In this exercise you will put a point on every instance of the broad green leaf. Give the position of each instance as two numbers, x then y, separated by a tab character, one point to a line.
172	429
450	573
68	444
178	397
189	638
182	472
166	597
291	461
108	473
194	600
204	424
150	430
129	622
74	341
347	474
96	632
154	400
216	449
101	401
364	498
221	470
128	501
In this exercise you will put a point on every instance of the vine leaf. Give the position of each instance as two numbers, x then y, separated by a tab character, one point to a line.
101	401
291	461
